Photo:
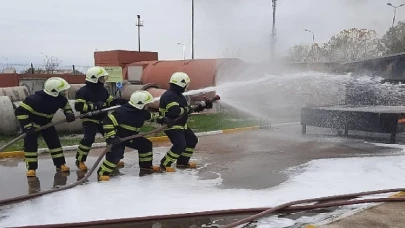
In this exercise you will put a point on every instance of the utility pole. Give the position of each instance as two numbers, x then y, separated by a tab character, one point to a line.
139	24
313	34
192	29
395	12
273	30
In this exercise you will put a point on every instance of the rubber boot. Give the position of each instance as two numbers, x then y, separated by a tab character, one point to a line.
81	165
190	165
167	168
103	178
120	164
63	168
31	173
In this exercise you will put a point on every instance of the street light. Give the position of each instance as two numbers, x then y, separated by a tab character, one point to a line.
184	50
395	11
313	34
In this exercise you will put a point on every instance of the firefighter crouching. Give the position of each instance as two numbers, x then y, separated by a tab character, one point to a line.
173	104
126	121
93	96
38	110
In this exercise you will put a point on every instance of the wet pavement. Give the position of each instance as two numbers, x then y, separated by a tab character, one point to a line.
250	160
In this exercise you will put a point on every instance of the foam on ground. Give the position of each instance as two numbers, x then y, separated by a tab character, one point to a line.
131	196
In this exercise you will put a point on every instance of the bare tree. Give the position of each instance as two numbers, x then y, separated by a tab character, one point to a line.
51	64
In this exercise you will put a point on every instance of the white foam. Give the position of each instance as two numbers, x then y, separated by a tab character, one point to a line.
130	196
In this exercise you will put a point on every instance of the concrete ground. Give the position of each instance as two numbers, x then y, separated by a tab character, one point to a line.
251	159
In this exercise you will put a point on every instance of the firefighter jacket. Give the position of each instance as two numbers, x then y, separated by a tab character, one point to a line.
174	104
88	97
38	109
127	120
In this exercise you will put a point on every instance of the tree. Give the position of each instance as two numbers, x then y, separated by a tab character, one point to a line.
353	44
307	53
51	64
393	41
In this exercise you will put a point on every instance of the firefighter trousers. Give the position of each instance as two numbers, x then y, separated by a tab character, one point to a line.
142	144
51	139
90	129
184	142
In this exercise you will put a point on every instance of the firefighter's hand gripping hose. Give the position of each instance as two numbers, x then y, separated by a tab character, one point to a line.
81	181
96	112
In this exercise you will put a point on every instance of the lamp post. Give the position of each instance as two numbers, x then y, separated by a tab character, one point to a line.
139	24
192	29
313	34
395	12
184	50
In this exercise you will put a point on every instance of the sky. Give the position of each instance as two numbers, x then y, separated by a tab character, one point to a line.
72	30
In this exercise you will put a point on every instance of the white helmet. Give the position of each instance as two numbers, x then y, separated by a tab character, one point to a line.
140	98
53	86
181	79
94	73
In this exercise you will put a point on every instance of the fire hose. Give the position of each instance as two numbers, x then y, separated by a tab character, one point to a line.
88	174
340	200
51	124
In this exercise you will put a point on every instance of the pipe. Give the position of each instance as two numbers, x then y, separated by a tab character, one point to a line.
16	93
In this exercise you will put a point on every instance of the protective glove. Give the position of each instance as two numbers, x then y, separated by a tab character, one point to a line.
113	140
189	109
200	107
208	103
169	122
70	117
98	105
29	130
118	101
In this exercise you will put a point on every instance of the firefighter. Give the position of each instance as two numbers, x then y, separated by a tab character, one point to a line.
126	121
172	105
38	110
93	96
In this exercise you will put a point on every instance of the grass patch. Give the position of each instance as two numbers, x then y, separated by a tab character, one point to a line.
199	123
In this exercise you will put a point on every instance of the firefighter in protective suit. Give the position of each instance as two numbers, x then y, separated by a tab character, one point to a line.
126	121
172	105
38	110
93	96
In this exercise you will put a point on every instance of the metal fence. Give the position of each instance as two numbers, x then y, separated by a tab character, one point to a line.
45	68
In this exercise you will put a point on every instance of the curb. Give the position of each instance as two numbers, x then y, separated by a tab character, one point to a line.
350	213
15	154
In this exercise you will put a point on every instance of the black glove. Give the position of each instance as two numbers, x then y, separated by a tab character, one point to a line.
70	117
118	101
169	122
98	105
199	108
29	130
189	110
208	103
113	140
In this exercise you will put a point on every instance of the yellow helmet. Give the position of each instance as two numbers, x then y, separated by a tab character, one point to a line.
181	79
94	73
140	98
54	85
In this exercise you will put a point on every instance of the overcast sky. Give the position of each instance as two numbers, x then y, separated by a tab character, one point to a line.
72	29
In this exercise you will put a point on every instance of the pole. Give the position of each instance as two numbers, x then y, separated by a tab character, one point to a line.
139	24
192	29
313	34
393	19
395	12
273	30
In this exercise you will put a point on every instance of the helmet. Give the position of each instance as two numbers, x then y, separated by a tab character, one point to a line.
94	73
140	98
181	79
54	85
